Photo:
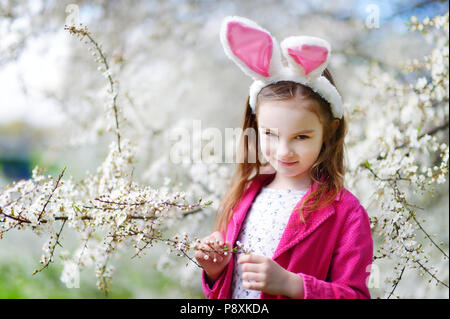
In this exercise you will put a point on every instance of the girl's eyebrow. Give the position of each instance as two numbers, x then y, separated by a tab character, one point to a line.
305	131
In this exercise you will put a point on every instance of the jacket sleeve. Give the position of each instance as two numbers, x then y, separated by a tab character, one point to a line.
212	292
349	269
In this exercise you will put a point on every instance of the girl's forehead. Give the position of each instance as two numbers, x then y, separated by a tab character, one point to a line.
288	113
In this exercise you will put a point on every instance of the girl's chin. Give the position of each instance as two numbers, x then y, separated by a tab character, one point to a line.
288	174
289	171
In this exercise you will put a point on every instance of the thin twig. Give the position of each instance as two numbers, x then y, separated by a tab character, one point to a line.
52	250
85	32
51	194
428	236
84	247
434	277
398	280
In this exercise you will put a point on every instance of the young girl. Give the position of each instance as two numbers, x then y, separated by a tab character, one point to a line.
310	236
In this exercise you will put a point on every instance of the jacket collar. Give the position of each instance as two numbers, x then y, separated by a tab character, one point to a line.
295	230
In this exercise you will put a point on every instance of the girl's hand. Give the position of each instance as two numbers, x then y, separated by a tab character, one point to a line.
269	277
213	255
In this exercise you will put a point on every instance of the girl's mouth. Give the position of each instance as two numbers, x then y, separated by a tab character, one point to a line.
287	163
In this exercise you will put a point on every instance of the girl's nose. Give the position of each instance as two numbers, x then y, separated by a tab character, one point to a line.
284	151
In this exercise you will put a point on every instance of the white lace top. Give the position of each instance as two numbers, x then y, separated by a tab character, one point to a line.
262	230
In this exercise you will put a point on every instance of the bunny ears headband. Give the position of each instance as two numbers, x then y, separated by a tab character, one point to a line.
257	53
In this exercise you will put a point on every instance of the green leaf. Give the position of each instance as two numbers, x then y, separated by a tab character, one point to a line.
76	207
208	203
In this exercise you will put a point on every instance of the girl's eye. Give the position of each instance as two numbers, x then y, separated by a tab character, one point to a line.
299	137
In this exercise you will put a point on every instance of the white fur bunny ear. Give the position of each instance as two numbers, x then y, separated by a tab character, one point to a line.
308	55
251	47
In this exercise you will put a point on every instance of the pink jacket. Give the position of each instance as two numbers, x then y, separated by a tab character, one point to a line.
332	251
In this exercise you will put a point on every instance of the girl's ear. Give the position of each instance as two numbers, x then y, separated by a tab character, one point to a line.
307	55
251	47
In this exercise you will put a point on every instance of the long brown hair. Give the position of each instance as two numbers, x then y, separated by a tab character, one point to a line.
327	171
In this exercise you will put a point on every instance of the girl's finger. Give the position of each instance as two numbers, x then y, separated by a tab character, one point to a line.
251	267
251	259
252	276
252	285
217	246
211	244
206	252
200	255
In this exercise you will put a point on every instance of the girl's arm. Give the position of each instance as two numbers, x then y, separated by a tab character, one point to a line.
295	289
211	279
346	278
213	259
349	269
211	290
264	274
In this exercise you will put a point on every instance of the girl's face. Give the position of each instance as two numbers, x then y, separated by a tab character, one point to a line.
291	136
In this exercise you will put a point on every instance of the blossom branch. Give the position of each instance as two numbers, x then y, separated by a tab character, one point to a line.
430	132
397	280
428	236
82	32
433	276
51	194
48	260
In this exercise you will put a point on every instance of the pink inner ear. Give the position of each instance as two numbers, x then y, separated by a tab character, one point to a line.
309	56
253	47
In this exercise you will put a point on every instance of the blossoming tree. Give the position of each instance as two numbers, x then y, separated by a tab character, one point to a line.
399	158
401	152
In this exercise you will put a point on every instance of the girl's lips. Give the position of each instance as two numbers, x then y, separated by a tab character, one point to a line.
286	163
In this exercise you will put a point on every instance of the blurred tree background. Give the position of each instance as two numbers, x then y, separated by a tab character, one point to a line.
171	70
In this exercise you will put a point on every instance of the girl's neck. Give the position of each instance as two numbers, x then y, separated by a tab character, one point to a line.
296	182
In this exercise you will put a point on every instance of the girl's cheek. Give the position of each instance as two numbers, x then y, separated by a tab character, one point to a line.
268	151
267	155
265	147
